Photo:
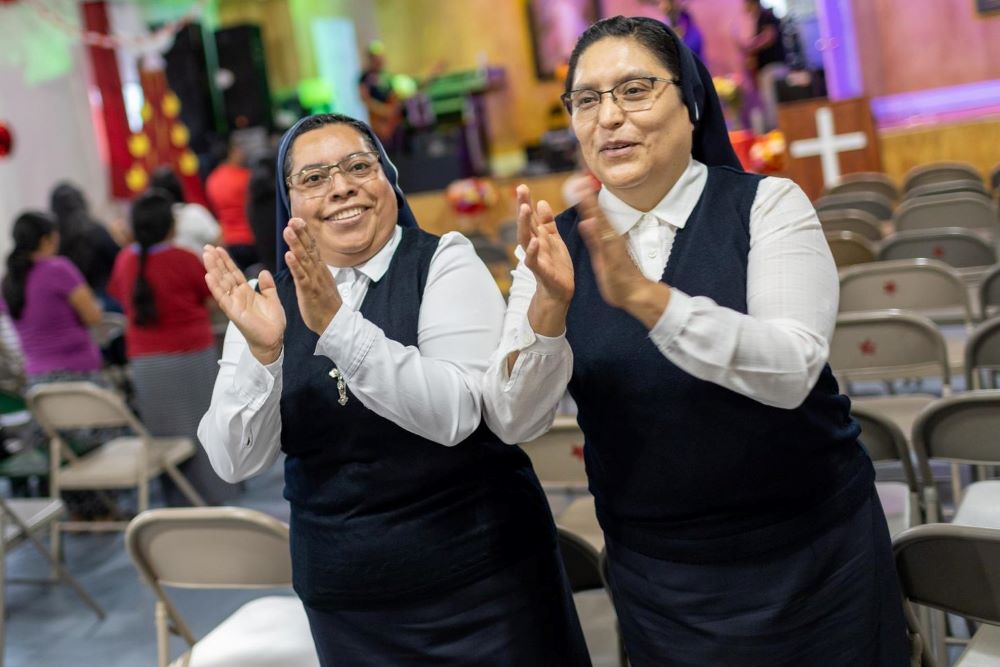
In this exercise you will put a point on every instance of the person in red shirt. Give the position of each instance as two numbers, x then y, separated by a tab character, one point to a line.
227	189
168	336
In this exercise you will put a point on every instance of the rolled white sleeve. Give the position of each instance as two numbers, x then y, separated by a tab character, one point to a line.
521	405
241	431
434	389
775	352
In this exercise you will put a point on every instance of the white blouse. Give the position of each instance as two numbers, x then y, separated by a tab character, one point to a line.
773	353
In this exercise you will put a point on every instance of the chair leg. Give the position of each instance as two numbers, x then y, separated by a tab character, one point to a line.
143	495
55	547
184	485
62	574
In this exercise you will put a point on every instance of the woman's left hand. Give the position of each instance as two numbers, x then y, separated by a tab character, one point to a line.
315	287
620	281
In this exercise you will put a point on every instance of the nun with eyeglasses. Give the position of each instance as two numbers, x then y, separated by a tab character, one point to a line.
688	307
417	537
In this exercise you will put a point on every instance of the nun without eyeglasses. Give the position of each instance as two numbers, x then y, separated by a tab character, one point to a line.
417	537
688	306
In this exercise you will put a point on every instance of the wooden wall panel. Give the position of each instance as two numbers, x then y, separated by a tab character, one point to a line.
974	142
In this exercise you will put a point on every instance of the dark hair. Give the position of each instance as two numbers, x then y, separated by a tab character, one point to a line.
652	34
320	120
165	178
30	229
152	219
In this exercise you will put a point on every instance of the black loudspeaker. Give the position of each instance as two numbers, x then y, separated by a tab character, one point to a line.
187	76
247	97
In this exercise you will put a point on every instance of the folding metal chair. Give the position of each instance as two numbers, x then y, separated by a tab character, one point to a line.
989	293
851	220
865	181
982	356
849	248
955	246
875	204
937	172
947	210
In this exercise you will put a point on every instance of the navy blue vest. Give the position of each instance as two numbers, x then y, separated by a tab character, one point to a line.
380	514
683	469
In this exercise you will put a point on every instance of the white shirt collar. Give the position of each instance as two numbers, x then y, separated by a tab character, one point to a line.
675	207
375	267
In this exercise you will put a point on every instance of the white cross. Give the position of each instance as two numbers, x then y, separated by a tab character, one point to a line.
827	145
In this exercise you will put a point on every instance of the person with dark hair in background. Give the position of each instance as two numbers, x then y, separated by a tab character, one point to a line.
260	208
226	189
680	19
85	241
688	307
194	225
168	337
417	537
765	55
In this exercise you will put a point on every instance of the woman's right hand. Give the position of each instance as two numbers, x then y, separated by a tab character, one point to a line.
259	316
545	252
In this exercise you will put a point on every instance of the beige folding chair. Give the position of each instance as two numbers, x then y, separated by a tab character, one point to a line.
20	521
865	181
851	220
926	286
582	563
989	293
937	172
982	356
955	246
952	569
121	463
875	204
947	210
886	444
849	248
888	346
215	548
557	457
995	178
963	430
964	185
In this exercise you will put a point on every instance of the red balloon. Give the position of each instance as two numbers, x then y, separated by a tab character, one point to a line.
6	140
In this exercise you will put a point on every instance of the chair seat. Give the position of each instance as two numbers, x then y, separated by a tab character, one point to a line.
35	513
116	463
983	649
895	499
980	506
581	518
271	631
902	410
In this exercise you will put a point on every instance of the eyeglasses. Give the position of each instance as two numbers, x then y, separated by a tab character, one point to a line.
316	181
632	95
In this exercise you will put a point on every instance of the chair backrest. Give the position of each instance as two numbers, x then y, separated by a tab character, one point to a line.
948	210
866	181
851	220
557	456
581	561
995	177
875	204
982	355
61	406
921	285
952	568
937	172
965	185
849	248
884	441
210	547
989	293
961	428
954	246
888	344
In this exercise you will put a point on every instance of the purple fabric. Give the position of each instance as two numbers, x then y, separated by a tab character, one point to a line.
52	336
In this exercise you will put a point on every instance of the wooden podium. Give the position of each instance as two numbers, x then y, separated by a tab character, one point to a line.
827	140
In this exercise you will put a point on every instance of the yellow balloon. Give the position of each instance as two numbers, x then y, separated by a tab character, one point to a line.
138	145
188	163
179	135
136	178
171	105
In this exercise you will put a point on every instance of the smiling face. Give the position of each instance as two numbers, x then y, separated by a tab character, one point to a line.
351	221
637	155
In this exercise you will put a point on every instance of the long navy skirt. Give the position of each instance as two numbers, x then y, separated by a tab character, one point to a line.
522	616
832	601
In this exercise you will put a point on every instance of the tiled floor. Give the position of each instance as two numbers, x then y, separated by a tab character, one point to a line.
48	626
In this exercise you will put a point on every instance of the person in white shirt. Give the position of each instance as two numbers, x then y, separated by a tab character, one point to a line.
194	225
417	537
688	306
